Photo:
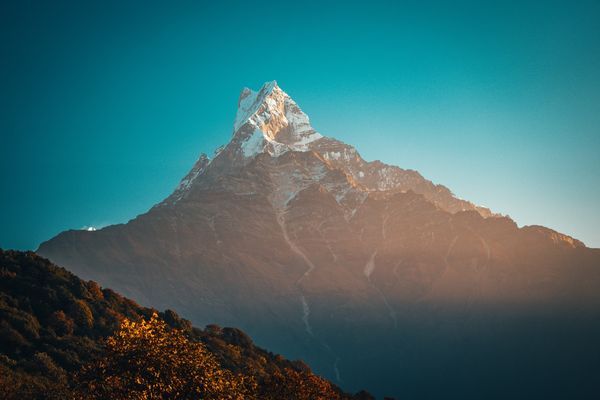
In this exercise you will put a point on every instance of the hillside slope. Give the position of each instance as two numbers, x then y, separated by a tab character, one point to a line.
52	323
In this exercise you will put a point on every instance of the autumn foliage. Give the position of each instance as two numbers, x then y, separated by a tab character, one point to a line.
147	360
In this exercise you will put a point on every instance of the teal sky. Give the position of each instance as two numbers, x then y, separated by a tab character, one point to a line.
105	106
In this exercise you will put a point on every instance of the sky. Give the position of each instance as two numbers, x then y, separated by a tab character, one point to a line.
105	106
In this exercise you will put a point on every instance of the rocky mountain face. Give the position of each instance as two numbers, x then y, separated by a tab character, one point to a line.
374	275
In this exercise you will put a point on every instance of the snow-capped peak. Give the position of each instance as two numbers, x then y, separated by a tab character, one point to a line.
250	101
269	120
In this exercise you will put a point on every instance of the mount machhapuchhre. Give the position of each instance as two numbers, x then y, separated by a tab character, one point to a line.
373	275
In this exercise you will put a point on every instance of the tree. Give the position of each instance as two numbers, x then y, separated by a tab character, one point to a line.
147	360
291	384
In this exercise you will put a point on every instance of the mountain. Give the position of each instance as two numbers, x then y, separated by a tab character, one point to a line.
53	324
371	273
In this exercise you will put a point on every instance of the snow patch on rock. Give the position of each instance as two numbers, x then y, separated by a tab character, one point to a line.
254	144
186	183
306	315
370	265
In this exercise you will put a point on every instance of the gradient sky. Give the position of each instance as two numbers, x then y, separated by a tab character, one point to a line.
103	108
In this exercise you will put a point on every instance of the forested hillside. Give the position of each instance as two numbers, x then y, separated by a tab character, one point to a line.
61	337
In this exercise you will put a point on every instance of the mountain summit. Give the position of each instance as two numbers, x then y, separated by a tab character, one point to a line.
269	121
373	274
